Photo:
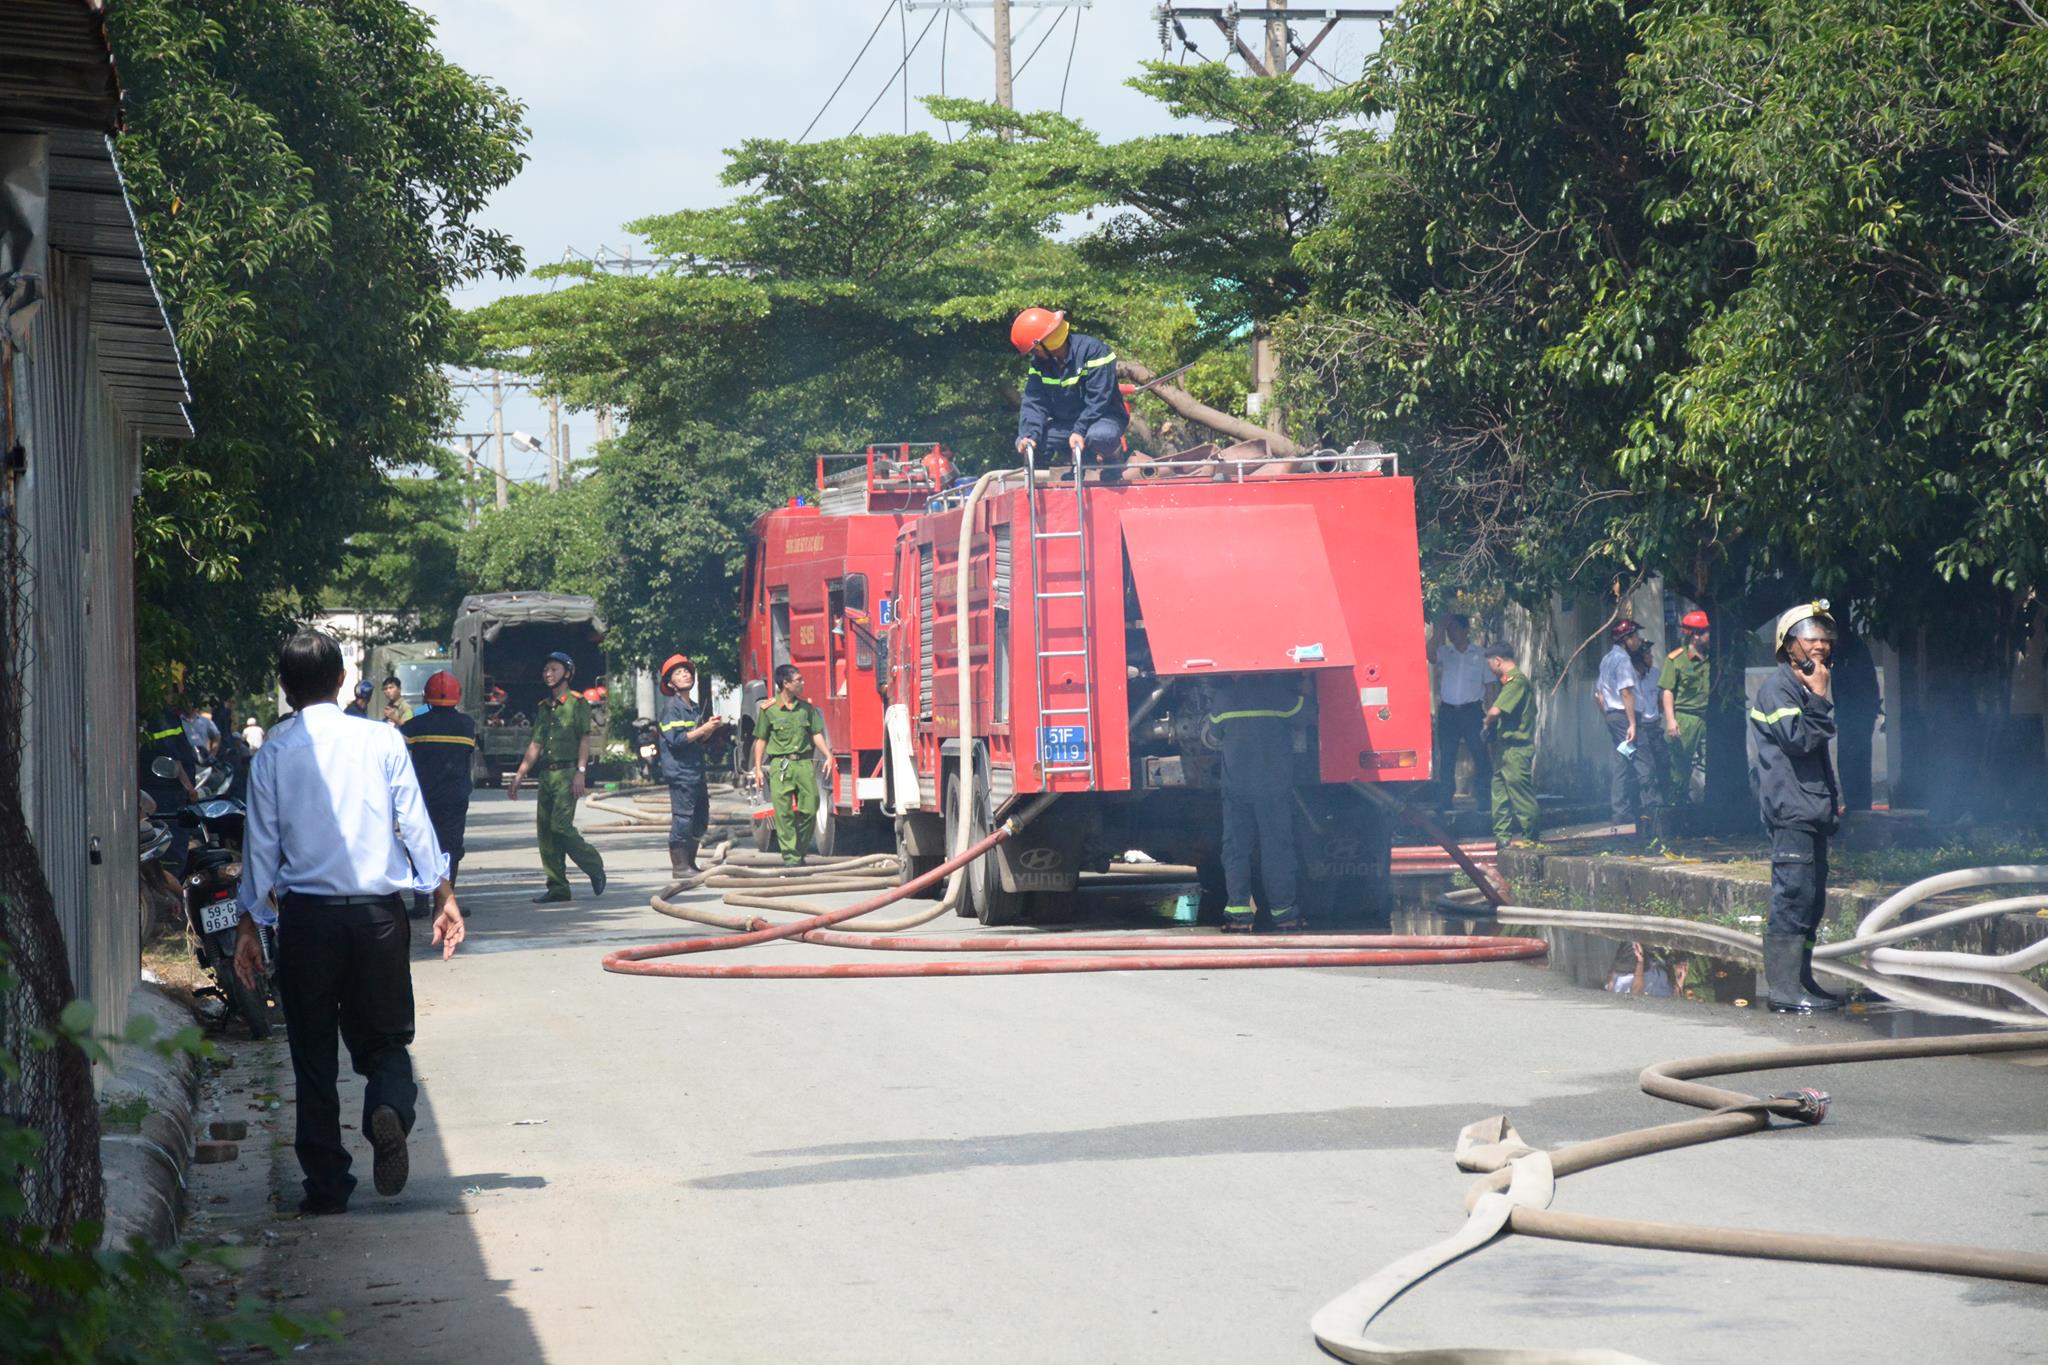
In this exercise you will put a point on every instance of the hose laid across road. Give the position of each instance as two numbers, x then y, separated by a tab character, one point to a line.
1516	1194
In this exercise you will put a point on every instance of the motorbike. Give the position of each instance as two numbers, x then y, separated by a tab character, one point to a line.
647	743
213	871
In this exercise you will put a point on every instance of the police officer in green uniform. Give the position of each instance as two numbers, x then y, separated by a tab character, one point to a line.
1683	683
1511	728
787	733
561	751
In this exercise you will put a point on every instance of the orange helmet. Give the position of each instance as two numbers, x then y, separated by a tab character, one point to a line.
1034	325
670	665
1693	620
443	690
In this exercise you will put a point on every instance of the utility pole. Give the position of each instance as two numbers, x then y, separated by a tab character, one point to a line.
498	436
469	482
554	444
568	461
1276	35
1274	14
1006	96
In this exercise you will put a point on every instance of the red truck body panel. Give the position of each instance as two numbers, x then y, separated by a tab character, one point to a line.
1315	572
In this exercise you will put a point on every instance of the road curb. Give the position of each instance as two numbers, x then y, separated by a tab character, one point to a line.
145	1169
1698	890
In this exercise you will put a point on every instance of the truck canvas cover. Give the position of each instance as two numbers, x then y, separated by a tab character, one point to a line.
485	614
1235	589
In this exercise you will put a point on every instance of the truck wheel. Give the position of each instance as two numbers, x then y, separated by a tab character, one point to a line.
911	866
965	905
992	904
828	828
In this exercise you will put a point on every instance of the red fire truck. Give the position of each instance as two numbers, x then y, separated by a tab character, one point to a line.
815	576
1097	616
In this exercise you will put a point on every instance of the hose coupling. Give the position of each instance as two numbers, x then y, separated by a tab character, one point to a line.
1806	1104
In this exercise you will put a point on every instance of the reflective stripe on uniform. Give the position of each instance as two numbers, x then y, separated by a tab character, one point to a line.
680	724
440	739
1056	383
1100	361
166	734
1782	713
1291	711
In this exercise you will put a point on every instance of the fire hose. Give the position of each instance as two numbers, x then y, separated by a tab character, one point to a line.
1120	952
1515	1197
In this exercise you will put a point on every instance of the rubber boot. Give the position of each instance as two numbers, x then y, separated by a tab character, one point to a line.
1237	919
1784	959
1811	986
682	859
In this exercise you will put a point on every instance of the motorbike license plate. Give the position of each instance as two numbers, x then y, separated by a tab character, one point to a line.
220	915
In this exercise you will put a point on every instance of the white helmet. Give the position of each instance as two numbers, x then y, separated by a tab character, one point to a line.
1807	621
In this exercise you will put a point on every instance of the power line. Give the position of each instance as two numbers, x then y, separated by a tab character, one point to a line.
1042	41
904	64
945	44
892	4
903	39
1072	43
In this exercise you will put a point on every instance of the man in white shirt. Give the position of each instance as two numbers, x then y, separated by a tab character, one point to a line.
1615	693
1462	679
338	834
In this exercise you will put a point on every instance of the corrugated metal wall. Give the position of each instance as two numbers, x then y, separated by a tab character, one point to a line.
79	716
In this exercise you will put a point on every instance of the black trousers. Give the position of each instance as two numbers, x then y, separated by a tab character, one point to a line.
1624	787
1457	725
345	970
1799	882
689	806
1258	823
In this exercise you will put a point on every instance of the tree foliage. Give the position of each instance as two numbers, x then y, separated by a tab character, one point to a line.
403	560
307	178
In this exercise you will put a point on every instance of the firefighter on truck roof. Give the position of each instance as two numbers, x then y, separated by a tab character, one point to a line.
789	731
1252	718
687	733
1071	402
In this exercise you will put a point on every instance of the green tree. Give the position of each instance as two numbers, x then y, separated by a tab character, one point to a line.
307	178
541	542
403	561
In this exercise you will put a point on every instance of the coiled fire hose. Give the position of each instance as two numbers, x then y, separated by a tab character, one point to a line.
1521	1181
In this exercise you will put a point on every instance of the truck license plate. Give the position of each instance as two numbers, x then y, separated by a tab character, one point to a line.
1061	746
220	915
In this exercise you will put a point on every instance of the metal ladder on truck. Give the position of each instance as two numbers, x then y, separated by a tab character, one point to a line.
1079	718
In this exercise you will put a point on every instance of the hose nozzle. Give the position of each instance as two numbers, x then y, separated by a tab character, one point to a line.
1806	1104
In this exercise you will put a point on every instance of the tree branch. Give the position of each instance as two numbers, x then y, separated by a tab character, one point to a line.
1192	408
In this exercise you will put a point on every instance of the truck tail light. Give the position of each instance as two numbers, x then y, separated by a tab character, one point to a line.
1398	758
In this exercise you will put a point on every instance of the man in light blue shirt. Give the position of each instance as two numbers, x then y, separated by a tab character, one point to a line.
337	840
1616	695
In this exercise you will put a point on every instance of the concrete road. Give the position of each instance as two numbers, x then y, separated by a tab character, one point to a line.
1127	1167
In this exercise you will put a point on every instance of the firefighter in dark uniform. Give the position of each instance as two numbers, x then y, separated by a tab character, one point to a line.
1252	719
686	735
163	736
561	750
1792	721
442	742
1071	403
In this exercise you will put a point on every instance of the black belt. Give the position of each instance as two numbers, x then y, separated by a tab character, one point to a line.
340	902
1455	705
556	766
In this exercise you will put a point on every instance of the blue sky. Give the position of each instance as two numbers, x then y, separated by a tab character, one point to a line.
630	107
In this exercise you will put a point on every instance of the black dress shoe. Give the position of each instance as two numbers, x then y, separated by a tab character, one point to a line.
597	881
319	1208
551	898
387	1139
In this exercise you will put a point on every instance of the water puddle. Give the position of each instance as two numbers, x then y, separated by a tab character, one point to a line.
1674	965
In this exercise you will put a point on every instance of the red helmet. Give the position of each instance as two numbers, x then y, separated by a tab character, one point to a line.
443	690
1622	629
1034	325
1693	620
670	665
